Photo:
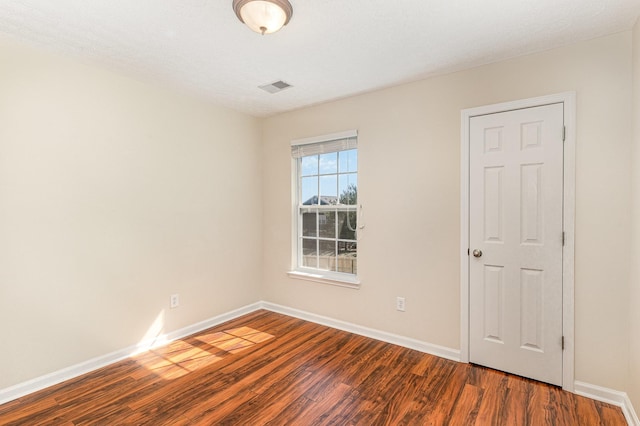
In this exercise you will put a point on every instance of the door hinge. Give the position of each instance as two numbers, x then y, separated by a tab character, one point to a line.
563	343
563	238
564	133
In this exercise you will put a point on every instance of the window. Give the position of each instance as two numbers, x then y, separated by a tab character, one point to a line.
326	207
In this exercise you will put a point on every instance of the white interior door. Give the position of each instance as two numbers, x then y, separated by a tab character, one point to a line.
515	238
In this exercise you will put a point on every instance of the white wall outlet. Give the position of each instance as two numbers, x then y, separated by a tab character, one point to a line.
175	301
400	303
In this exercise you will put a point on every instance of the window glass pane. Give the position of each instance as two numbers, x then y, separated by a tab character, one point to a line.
327	258
347	225
348	189
329	190
347	257
309	165
348	161
329	163
309	224
327	239
309	253
327	224
309	190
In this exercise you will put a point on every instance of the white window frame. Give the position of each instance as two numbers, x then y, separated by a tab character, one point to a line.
312	274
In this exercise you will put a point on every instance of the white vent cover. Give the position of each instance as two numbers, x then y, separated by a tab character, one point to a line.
275	87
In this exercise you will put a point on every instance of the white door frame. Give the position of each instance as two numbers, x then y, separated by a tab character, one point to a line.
568	216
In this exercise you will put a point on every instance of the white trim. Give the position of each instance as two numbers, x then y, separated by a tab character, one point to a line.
610	396
198	327
295	225
569	101
297	270
617	398
407	342
341	280
568	251
42	382
464	237
325	138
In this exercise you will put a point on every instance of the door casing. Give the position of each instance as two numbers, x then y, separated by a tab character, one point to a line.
568	99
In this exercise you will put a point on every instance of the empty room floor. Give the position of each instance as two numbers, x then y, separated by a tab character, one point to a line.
265	368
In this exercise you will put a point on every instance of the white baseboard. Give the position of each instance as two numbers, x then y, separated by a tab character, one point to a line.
42	382
610	396
418	345
617	398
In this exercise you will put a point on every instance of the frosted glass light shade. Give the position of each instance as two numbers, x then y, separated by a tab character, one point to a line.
263	16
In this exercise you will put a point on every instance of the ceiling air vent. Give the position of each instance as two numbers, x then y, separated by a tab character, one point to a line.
275	87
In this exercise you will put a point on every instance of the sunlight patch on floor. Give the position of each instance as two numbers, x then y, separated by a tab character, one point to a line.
182	357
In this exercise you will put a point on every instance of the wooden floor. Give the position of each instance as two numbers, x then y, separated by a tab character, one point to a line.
267	368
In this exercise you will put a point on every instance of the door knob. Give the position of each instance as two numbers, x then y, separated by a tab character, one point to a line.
477	253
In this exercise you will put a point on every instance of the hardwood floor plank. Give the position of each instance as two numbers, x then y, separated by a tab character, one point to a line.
18	409
441	393
513	412
52	421
466	408
215	412
366	413
317	412
49	415
586	410
430	405
339	414
115	395
494	395
270	369
269	404
291	413
263	368
297	333
536	403
400	402
86	384
175	392
609	415
564	407
351	363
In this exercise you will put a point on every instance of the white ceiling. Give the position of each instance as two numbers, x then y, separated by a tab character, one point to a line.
330	49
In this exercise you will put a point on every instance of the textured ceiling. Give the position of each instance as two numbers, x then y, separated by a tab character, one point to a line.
329	50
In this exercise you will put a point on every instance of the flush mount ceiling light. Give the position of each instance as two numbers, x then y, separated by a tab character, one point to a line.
263	16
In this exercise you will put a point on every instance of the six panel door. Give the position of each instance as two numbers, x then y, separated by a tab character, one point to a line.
515	231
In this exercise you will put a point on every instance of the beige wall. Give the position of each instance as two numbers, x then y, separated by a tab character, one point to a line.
409	185
115	194
634	299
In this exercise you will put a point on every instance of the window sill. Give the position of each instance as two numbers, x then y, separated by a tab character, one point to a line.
341	280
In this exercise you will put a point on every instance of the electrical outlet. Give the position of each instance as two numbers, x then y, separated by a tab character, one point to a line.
400	303
175	301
